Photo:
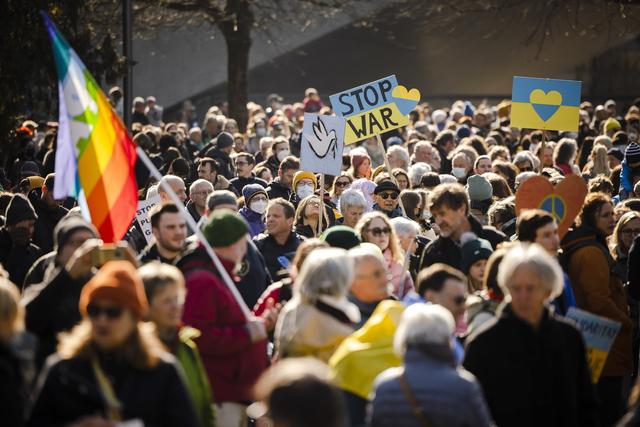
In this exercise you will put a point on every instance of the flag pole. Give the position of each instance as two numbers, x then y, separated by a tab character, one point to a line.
321	205
191	222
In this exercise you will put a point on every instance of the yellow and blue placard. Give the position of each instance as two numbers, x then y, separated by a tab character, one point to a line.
374	108
545	104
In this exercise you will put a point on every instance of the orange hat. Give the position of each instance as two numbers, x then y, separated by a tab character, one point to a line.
118	282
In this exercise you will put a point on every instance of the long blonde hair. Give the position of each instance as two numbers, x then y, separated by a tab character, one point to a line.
142	350
599	161
394	245
11	311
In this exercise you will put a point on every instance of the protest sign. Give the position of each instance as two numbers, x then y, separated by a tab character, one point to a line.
142	215
374	108
563	201
322	144
545	104
598	333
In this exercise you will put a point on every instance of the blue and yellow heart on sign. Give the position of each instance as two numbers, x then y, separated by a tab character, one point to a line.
545	104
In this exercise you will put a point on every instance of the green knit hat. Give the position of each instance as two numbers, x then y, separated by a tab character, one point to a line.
224	228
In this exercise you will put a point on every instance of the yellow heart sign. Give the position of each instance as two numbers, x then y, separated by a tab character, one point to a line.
401	92
553	97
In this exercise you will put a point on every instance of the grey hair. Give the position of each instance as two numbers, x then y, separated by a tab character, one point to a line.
328	272
197	182
402	153
351	198
366	251
523	156
165	182
535	257
404	226
417	171
423	324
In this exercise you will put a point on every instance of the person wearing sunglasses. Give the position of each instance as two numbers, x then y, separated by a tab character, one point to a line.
528	348
340	183
111	368
245	164
376	228
386	197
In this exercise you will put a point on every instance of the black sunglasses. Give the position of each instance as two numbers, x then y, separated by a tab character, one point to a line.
111	312
379	231
342	183
385	196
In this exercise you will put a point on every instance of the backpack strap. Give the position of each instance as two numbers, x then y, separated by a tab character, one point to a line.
411	398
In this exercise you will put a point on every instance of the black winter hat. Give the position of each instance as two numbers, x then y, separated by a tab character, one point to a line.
224	140
386	186
19	209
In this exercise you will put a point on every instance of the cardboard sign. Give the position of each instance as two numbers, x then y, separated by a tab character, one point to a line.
563	201
545	104
322	144
598	333
374	108
142	215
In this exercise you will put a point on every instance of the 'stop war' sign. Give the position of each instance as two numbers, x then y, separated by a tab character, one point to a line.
374	108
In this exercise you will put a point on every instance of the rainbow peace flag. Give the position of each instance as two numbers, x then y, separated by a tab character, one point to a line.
546	104
95	156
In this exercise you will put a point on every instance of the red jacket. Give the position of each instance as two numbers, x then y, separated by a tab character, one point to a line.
232	362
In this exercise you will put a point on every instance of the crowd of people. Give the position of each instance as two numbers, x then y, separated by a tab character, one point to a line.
406	297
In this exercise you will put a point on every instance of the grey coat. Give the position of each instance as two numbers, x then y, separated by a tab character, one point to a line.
449	396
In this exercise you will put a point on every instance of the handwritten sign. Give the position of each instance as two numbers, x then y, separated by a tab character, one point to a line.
598	333
322	144
374	108
142	215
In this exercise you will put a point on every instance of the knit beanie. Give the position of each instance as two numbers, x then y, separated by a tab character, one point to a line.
300	175
250	190
224	140
479	188
224	228
69	225
118	282
341	236
611	124
19	209
632	154
473	250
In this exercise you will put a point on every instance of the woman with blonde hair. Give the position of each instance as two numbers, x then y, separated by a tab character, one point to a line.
340	183
16	371
598	162
111	367
308	215
627	229
375	227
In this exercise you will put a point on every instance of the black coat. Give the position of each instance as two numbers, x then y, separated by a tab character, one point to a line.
277	189
533	377
224	162
17	260
254	276
271	250
633	272
68	390
445	250
51	308
239	182
16	373
47	220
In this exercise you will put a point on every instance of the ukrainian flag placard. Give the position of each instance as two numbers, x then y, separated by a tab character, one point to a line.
545	104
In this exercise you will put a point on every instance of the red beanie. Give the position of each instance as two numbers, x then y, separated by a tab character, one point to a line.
118	282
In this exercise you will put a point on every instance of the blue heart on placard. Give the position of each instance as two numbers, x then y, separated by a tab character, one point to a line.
545	104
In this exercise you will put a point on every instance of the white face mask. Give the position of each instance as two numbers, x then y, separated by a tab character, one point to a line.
459	172
282	154
261	132
258	206
304	190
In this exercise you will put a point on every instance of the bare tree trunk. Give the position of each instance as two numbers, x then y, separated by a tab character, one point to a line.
237	34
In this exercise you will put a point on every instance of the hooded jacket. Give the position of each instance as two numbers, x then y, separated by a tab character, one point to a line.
599	290
255	220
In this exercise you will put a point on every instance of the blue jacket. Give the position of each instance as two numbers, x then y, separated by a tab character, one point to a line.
448	396
256	223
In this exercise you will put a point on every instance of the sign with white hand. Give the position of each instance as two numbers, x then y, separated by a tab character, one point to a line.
322	144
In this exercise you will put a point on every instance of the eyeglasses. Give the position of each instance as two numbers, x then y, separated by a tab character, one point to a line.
631	231
380	231
342	183
385	196
95	311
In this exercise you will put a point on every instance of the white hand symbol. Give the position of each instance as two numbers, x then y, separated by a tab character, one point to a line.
321	142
